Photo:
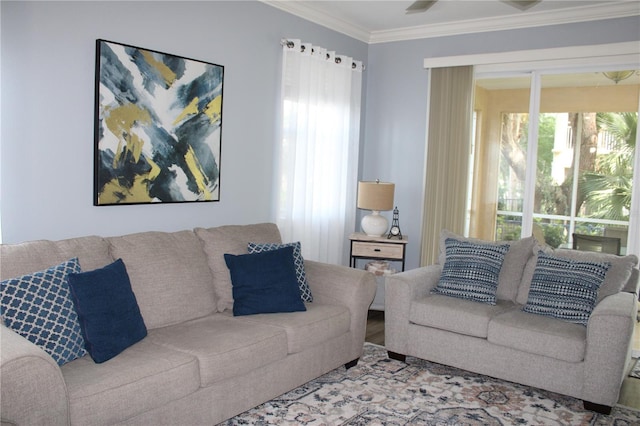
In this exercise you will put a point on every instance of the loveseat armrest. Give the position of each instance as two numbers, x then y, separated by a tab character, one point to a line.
349	287
400	290
33	390
609	344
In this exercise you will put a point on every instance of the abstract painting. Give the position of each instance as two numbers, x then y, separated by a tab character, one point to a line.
158	123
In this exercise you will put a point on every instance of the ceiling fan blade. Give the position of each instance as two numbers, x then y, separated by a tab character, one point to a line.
522	4
420	6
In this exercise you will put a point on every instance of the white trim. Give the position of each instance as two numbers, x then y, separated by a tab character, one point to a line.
305	10
559	57
512	22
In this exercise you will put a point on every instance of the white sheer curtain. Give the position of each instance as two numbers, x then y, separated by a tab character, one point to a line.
317	158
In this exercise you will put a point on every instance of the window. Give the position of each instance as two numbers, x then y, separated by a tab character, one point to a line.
576	176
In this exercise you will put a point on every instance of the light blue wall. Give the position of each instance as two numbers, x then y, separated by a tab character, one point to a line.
48	56
46	144
397	93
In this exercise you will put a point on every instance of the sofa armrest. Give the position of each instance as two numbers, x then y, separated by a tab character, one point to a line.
340	285
609	344
400	290
33	390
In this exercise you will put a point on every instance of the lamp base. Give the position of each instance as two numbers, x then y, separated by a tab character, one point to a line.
374	224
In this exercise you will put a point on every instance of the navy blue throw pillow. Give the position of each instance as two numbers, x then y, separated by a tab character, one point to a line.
264	282
108	311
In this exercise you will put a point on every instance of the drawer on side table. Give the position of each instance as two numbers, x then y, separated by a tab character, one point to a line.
373	250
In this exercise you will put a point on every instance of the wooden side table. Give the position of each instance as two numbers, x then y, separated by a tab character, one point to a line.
380	248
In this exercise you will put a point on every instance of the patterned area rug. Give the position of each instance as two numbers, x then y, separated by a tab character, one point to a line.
380	391
635	371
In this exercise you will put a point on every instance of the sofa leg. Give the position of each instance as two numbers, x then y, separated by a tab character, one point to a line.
397	356
351	363
598	408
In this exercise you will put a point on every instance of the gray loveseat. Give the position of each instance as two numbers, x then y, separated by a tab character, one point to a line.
587	362
198	364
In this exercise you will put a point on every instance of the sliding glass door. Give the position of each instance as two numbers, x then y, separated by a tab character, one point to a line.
554	155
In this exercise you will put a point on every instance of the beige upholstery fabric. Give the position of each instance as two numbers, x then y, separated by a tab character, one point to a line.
167	295
224	346
33	256
584	362
456	315
318	324
519	253
538	334
143	377
232	239
616	279
247	361
24	400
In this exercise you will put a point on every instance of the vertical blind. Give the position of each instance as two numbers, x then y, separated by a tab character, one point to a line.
448	150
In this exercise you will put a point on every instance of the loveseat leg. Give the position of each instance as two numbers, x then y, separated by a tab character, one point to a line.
397	356
598	408
351	363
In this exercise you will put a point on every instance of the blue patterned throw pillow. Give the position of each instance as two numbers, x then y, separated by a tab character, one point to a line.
305	291
471	270
38	306
564	288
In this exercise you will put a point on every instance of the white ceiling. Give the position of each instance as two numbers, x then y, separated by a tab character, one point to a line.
377	21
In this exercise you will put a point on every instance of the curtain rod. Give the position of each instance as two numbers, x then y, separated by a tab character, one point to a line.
290	44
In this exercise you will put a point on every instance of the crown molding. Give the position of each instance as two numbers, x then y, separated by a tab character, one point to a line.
303	10
598	12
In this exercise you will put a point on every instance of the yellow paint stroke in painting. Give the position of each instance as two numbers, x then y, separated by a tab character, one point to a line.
121	121
114	193
166	72
214	109
196	170
192	108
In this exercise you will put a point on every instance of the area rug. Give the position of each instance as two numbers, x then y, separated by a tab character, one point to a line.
380	391
635	371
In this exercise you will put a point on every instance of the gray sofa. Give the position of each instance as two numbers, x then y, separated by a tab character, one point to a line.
198	364
501	340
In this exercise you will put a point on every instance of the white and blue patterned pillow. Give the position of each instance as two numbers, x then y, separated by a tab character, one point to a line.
564	288
471	270
39	307
301	276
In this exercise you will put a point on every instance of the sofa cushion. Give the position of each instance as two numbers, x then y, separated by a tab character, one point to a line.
456	315
169	275
224	346
320	323
564	288
39	307
143	377
264	282
301	275
539	335
107	309
515	259
471	270
232	239
617	276
24	258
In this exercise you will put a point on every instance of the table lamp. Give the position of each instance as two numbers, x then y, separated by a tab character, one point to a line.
376	196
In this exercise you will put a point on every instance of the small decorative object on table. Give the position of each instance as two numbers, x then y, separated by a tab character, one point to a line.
395	232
